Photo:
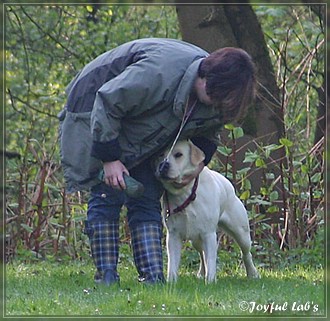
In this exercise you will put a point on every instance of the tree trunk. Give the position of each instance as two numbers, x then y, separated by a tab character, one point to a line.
216	26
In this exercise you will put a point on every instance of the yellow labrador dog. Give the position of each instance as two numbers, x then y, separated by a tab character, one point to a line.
193	212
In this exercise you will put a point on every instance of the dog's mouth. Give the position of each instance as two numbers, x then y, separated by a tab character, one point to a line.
167	179
174	182
177	184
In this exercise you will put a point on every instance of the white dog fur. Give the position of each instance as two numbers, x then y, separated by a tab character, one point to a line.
215	204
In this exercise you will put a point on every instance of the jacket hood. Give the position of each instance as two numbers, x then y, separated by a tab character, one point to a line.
184	88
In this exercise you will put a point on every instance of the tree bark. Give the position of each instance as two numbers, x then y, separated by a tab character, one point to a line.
216	26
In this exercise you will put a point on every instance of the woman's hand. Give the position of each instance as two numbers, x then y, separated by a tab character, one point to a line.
113	174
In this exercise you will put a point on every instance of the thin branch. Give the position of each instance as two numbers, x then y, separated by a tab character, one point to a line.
49	35
29	105
24	47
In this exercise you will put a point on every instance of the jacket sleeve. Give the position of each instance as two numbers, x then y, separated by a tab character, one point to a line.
138	88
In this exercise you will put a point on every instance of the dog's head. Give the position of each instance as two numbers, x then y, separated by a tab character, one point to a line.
182	161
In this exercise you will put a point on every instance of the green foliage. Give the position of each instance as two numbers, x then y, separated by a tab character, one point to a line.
295	38
46	45
288	212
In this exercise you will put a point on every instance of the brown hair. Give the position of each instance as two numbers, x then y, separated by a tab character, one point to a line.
230	81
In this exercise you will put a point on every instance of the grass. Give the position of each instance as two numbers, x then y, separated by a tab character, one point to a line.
67	289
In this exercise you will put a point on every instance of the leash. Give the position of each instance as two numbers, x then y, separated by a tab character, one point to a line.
186	116
184	205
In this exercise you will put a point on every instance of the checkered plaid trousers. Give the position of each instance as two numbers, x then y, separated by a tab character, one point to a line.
147	251
104	242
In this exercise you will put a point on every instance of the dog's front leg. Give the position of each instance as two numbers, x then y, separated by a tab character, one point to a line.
173	244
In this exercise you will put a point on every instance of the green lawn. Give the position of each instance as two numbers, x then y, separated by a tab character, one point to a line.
67	288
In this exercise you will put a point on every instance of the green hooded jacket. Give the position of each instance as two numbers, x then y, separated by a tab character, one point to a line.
128	104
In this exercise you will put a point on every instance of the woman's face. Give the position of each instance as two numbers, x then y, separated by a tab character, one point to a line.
200	88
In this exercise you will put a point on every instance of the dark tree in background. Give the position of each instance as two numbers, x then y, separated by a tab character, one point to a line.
213	27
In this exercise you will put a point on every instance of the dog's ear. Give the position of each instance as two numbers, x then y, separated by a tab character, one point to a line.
196	154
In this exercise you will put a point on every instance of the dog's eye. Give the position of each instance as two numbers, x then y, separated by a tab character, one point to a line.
178	155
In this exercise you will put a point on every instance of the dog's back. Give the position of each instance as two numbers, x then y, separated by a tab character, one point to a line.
219	186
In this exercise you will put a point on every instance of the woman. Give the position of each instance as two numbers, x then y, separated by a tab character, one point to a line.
122	109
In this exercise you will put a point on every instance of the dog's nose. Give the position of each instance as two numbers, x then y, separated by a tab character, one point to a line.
163	168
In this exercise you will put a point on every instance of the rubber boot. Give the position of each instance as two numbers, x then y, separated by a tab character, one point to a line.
104	243
147	252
